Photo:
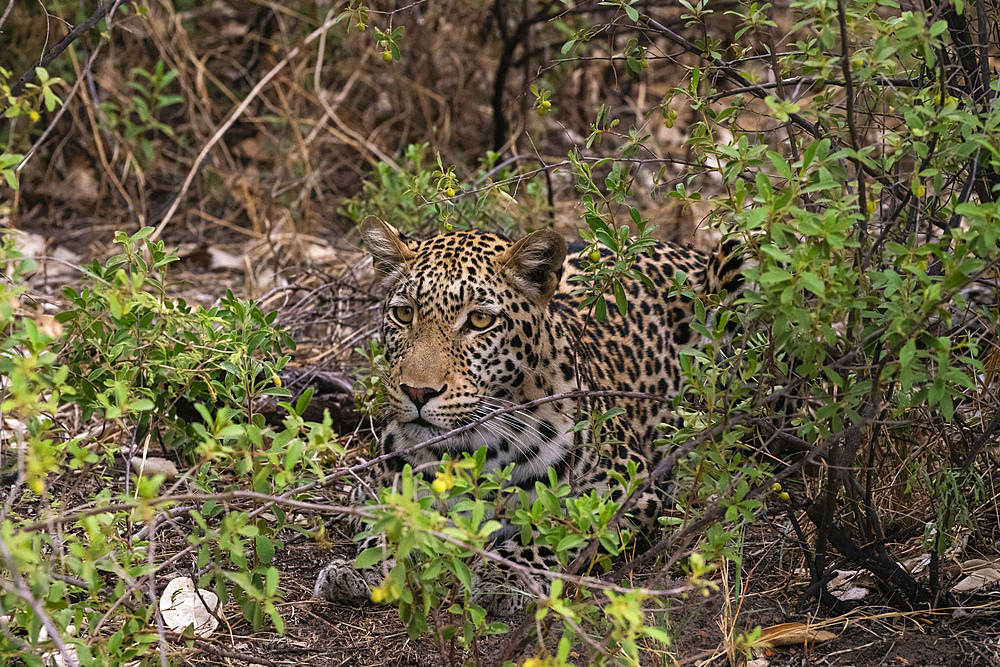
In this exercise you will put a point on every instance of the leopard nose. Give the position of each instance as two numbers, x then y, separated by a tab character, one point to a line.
420	395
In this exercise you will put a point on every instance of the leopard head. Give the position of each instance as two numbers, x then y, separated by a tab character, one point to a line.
463	325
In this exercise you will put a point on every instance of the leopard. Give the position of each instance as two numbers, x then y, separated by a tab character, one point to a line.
472	322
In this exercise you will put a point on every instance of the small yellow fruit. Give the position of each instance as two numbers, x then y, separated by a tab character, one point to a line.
387	55
450	192
643	63
378	595
784	496
776	487
594	255
919	190
871	206
361	26
442	483
34	116
276	380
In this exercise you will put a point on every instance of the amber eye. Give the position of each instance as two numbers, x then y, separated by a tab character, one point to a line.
480	320
403	314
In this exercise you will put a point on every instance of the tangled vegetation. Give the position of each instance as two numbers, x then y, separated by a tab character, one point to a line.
846	407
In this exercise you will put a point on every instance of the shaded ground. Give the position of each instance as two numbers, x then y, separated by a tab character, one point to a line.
328	634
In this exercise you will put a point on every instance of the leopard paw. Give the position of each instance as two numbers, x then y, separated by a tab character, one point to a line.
339	581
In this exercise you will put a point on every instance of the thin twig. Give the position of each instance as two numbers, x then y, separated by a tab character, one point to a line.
6	12
809	80
845	64
29	74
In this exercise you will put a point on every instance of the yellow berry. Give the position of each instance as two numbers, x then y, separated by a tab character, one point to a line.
361	26
919	190
594	255
643	63
450	192
276	380
545	104
387	55
34	116
871	206
776	487
378	595
784	496
442	483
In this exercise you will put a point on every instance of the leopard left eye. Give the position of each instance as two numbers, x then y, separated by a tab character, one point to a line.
479	320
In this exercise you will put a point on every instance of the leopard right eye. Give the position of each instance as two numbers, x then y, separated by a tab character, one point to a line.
402	314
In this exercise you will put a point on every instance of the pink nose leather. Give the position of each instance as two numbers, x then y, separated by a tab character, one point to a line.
420	395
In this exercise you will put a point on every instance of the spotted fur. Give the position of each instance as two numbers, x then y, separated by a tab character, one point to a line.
472	322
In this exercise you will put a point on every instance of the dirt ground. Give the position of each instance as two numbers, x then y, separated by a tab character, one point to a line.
325	634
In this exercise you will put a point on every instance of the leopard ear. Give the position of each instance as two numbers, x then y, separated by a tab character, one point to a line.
390	254
535	263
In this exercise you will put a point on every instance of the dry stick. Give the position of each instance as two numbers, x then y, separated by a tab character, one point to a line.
72	93
6	12
808	80
202	645
59	114
72	517
151	581
236	113
79	79
60	46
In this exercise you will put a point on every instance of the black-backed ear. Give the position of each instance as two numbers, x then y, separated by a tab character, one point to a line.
535	263
389	252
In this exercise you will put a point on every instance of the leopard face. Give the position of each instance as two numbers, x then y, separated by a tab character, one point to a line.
463	328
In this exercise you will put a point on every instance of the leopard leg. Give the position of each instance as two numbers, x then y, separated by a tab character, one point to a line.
340	581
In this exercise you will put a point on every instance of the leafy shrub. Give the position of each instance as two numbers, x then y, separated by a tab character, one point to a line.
129	355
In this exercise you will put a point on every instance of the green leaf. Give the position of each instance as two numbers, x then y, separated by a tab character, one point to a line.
620	300
369	557
907	353
812	283
601	309
303	401
265	549
774	276
463	573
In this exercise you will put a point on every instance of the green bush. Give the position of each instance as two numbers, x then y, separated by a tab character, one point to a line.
130	356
